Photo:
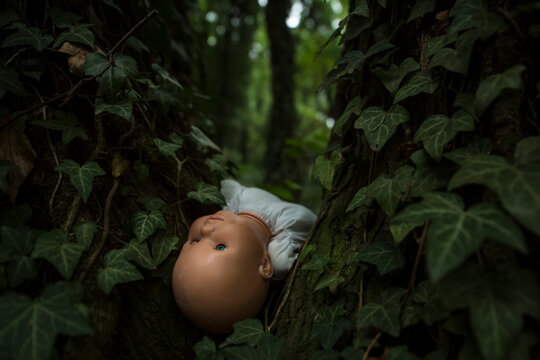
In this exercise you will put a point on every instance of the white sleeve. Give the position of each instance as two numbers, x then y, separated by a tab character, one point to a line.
231	191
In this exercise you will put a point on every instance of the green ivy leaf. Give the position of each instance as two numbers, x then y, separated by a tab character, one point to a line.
9	81
329	324
324	168
478	146
61	18
201	139
420	82
354	60
360	200
151	203
142	170
162	247
29	327
516	185
144	225
388	191
78	33
420	8
491	87
207	194
354	107
117	270
330	281
123	109
165	75
113	5
380	125
137	45
401	353
166	148
17	244
84	233
402	229
454	233
317	262
138	252
81	177
7	16
384	315
65	122
241	353
324	355
27	36
471	14
456	60
383	253
437	130
166	96
95	64
124	66
392	77
206	350
270	347
352	353
429	175
437	43
361	9
248	331
55	247
16	216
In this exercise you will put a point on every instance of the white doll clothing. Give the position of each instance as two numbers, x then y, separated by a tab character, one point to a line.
289	223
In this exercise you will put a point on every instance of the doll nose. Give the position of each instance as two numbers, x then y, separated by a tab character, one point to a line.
208	228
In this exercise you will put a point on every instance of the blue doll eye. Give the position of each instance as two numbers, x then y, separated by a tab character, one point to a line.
221	247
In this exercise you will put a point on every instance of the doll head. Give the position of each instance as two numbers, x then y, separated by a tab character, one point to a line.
222	273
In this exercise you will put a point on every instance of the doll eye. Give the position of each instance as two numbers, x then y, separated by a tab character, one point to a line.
194	240
221	247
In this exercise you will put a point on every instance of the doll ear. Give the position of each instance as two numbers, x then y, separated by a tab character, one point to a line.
265	269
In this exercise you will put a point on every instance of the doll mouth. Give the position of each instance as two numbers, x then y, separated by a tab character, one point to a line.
214	217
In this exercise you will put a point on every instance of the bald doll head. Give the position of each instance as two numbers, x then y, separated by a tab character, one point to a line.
223	271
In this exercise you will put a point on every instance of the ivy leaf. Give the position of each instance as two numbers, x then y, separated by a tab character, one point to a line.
201	139
55	246
392	77
471	14
454	233
81	177
241	353
65	122
324	355
455	60
61	18
437	130
151	203
137	45
317	262
387	191
437	43
144	225
124	66
491	87
420	8
420	82
206	350
165	75
17	244
361	9
429	175
383	315
270	347
248	331
478	146
16	216
29	327
122	109
9	81
166	148
383	253
27	36
162	247
138	252
324	168
84	233
117	270
355	59
330	281
166	96
353	107
401	353
142	170
380	125
207	194
329	324
78	33
360	200
113	5
95	64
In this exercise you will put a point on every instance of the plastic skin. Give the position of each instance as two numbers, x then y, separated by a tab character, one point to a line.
223	271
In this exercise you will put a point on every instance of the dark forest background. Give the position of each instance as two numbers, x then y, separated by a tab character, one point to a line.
410	127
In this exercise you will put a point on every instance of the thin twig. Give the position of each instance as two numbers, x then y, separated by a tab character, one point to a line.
371	344
509	17
53	195
131	31
421	242
180	163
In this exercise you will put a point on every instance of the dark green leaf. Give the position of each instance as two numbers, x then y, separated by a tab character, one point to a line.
113	5
420	8
151	203
137	45
9	80
241	353
330	281
249	331
392	77
317	262
16	216
420	82
165	75
324	168
84	233
32	67
270	347
162	247
454	233
81	177
478	146
361	9
7	16
78	33
122	109
65	122
329	324
95	64
138	252
61	18
324	355
201	139
207	194
437	130
17	244
29	327
124	66
352	353
429	175
117	270
388	191
27	36
384	315
206	350
141	169
383	253
55	246
492	86
144	225
456	60
166	96
437	43
471	14
380	125
401	353
354	107
360	200
382	3
166	148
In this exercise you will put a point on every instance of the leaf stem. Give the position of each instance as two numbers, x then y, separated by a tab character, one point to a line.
371	344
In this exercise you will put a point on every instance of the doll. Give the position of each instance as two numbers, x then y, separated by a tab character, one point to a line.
223	272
